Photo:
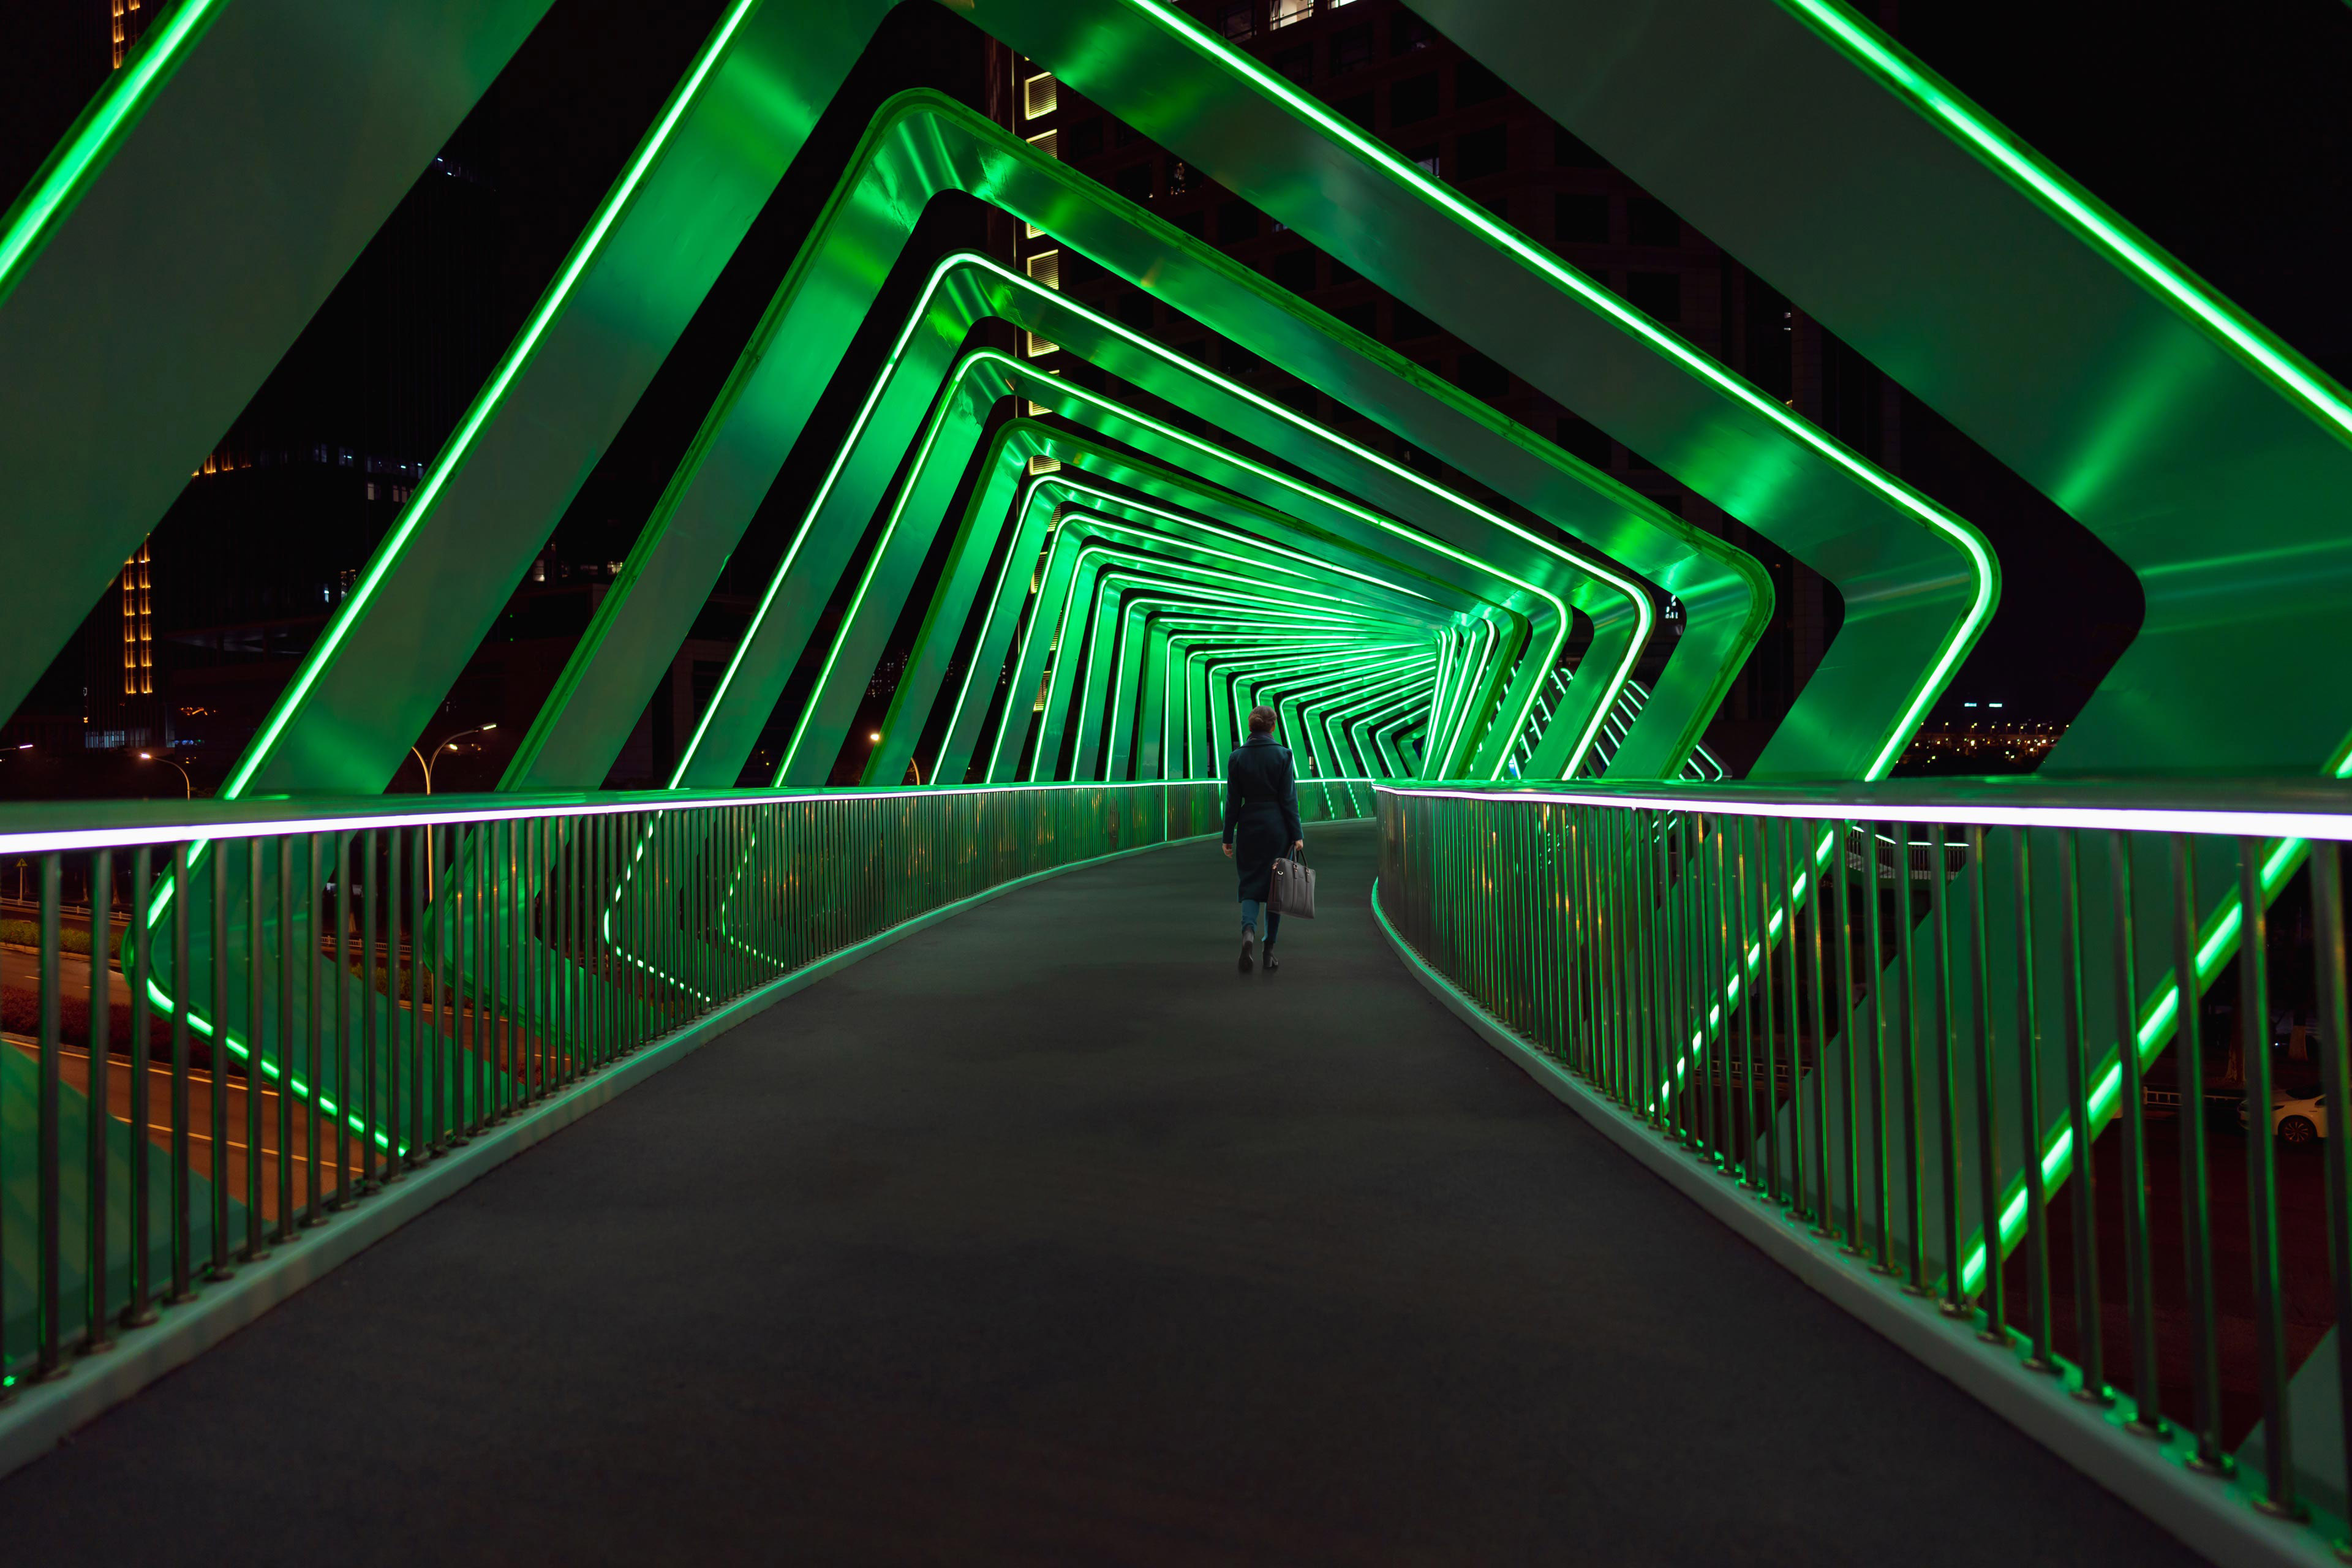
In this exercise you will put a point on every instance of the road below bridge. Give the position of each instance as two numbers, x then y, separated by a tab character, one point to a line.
1044	1237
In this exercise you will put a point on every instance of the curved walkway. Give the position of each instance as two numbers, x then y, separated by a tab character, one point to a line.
1044	1237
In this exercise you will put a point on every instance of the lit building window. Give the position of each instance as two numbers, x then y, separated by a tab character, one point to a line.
138	626
1040	96
1048	143
1045	268
1285	12
1042	464
129	20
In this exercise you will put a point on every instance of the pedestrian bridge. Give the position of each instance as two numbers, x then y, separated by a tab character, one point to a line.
1637	1161
1042	1234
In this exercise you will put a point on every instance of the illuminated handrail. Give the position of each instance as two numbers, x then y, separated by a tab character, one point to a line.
2011	996
350	989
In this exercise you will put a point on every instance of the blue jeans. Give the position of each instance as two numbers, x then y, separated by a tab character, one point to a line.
1249	919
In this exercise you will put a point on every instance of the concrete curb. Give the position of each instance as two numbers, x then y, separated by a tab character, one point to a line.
2205	1514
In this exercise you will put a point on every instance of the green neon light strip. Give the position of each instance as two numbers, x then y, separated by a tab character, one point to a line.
964	690
492	397
2215	948
486	404
1183	645
1192	574
1058	481
86	151
1639	598
1471	682
2121	244
2218	946
1470	214
1417	658
1359	651
1356	651
1259	676
1364	662
966	368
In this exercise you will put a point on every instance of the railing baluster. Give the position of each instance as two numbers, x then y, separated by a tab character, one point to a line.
1785	890
183	1192
256	971
49	1150
420	1019
2140	1267
2028	1111
2336	1067
97	1264
1873	1048
2197	1230
1751	881
2262	1185
1989	1181
314	1025
222	979
1906	1068
1849	1153
345	1191
1825	1210
398	1153
1768	886
139	1310
1953	1300
371	1036
2089	1330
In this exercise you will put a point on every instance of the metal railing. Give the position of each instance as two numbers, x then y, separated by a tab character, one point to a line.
1908	1068
324	996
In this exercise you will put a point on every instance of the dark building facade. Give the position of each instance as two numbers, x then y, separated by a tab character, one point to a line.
241	576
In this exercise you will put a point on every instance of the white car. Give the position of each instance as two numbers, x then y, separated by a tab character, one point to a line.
2294	1118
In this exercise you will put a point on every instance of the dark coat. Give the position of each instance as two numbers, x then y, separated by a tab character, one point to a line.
1261	810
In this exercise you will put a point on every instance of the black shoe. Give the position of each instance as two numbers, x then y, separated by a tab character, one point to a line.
1249	949
1272	963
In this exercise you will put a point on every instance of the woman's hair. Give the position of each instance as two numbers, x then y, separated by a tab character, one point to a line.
1261	720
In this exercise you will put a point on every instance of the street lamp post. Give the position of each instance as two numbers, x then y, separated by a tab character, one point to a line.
449	743
873	737
187	784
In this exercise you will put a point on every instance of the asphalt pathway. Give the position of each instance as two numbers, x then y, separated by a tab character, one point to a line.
1044	1237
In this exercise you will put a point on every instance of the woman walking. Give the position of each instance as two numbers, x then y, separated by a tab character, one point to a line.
1261	817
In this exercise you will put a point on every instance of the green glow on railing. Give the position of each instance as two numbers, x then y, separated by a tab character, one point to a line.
102	128
2215	948
160	1000
1595	297
487	402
